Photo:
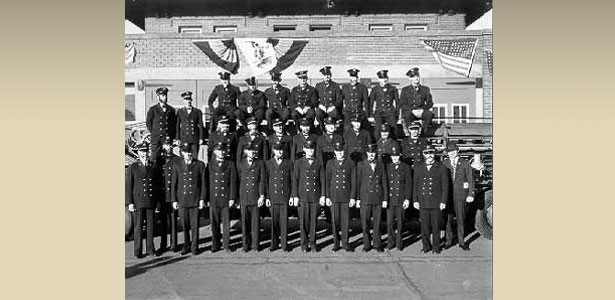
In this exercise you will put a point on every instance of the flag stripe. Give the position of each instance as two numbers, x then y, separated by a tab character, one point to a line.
222	53
454	55
289	56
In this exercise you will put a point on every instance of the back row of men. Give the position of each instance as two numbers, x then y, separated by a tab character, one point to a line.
335	171
327	99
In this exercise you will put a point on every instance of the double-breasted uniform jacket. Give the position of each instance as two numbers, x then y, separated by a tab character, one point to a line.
309	180
252	181
341	180
296	151
412	150
326	142
279	181
278	98
189	126
462	179
141	185
284	139
385	148
255	98
230	139
415	98
303	97
355	98
400	183
373	185
227	96
356	141
188	183
329	94
258	140
168	164
222	177
431	186
385	98
161	122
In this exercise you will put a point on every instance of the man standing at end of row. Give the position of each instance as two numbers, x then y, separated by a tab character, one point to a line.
160	122
463	193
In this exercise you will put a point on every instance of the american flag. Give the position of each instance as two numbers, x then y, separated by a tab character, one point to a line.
455	55
489	54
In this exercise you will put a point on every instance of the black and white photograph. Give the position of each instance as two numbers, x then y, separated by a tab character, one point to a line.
312	149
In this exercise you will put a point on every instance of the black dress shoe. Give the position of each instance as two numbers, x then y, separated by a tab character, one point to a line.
214	250
139	256
465	247
349	250
379	249
227	250
175	249
366	249
447	245
185	251
336	248
425	250
436	251
195	252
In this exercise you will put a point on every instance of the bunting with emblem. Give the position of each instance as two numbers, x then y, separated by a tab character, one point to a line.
129	52
454	55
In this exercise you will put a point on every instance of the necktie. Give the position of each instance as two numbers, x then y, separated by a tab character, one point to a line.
454	167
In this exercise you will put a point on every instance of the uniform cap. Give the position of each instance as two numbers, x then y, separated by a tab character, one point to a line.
395	151
384	128
185	147
187	95
278	146
309	144
304	122
414	125
225	75
277	121
219	146
251	120
162	90
429	149
223	120
302	74
353	72
276	76
329	121
251	81
338	146
326	70
383	74
451	146
372	148
413	72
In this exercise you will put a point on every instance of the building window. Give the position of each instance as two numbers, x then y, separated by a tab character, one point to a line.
439	113
320	27
277	28
380	27
225	28
460	113
190	29
130	112
412	27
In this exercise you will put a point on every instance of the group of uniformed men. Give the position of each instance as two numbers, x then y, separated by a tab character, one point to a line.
344	168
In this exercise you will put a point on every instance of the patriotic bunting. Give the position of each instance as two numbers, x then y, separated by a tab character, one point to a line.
454	55
129	52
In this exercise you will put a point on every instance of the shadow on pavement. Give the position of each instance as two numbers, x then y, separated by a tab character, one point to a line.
141	268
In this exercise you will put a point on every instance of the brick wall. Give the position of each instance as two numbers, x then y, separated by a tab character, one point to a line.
487	78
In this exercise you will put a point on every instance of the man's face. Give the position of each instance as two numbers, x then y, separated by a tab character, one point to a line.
327	78
278	129
275	84
414	133
309	152
354	79
188	103
384	135
383	81
219	153
225	82
339	154
187	155
430	157
453	154
371	156
252	127
277	153
395	159
329	128
162	98
302	82
305	129
252	87
142	154
414	80
355	125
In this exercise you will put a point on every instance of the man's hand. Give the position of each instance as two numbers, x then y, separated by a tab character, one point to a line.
442	206
469	199
305	109
175	205
384	204
296	201
416	205
358	204
351	203
406	204
261	201
201	204
322	201
322	107
417	112
231	203
250	109
328	201
298	109
330	109
131	207
371	119
201	141
290	201
268	202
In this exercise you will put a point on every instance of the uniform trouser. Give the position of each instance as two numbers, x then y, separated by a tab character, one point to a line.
460	209
309	115
390	119
426	117
369	211
168	216
430	225
250	226
222	111
189	217
217	215
395	220
149	229
281	113
242	115
340	219
357	156
279	225
155	149
308	213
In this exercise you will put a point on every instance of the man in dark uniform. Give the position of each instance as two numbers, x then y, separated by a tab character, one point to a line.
386	144
222	176
400	193
308	186
279	181
279	136
303	99
278	98
222	135
356	140
329	97
253	138
188	190
160	122
252	184
190	129
429	194
141	199
299	139
463	192
168	214
227	95
412	146
327	140
373	195
340	190
416	101
252	103
383	101
355	98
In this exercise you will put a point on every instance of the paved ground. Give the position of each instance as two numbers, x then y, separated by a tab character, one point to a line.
454	274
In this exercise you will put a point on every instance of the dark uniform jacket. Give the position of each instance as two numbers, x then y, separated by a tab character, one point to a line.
297	146
285	139
279	181
278	100
222	182
385	148
160	123
309	180
355	98
190	127
400	183
412	98
230	139
258	140
430	187
168	164
141	185
385	98
341	180
412	150
356	142
329	94
373	186
462	179
188	183
255	98
227	97
326	142
252	181
303	97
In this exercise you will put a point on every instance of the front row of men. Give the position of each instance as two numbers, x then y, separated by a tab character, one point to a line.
370	185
